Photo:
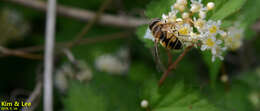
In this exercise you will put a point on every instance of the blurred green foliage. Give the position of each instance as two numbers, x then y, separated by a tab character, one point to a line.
186	89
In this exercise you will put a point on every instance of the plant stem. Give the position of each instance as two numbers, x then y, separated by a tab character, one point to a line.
86	29
48	56
174	65
18	53
84	15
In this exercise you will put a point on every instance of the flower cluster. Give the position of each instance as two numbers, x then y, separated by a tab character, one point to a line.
115	64
196	29
79	71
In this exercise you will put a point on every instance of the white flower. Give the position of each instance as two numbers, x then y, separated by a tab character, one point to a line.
212	44
234	38
210	5
202	14
209	43
182	2
213	28
85	73
61	81
199	24
180	7
224	78
196	6
184	29
171	17
218	53
79	70
194	37
144	104
111	64
185	15
148	34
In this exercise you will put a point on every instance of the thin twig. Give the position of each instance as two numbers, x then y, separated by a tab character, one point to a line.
89	40
25	52
8	52
169	57
48	56
174	65
85	15
85	30
35	96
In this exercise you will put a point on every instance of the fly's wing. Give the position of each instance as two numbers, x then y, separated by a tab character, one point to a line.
157	57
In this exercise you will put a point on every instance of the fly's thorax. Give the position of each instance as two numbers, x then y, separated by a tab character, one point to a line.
154	23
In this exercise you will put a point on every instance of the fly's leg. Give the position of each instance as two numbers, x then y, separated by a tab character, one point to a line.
157	57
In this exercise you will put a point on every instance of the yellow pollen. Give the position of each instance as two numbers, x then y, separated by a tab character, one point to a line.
184	31
213	29
210	42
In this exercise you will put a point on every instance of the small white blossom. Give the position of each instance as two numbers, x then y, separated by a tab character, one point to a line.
213	28
148	34
202	14
184	29
224	78
61	81
171	17
196	6
144	104
234	38
113	64
210	5
200	24
85	73
182	2
79	71
180	7
211	43
185	15
218	53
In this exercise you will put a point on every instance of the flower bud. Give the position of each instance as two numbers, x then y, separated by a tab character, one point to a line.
144	104
202	14
185	15
210	5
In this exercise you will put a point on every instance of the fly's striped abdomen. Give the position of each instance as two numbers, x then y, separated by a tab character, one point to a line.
175	44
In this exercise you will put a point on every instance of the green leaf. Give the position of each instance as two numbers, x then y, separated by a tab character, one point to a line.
103	93
120	92
177	97
213	67
81	97
158	7
227	9
235	95
140	71
249	15
250	11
